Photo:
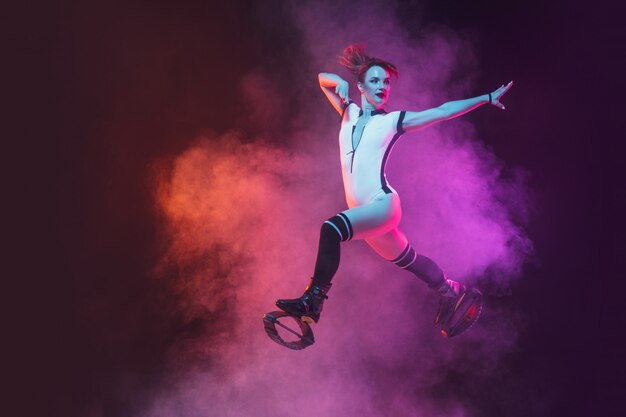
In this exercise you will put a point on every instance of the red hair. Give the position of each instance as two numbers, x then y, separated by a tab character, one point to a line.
357	63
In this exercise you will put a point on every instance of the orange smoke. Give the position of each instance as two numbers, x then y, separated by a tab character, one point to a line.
226	204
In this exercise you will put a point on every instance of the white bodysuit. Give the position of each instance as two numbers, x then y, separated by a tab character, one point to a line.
363	163
375	210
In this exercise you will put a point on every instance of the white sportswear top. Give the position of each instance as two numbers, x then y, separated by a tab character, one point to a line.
363	165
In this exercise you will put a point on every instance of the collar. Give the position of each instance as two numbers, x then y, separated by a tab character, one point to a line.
374	112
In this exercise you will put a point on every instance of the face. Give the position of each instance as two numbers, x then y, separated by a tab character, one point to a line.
375	86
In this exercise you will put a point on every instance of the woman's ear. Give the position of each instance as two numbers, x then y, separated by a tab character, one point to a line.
359	86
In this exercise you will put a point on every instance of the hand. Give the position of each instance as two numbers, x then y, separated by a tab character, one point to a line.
342	91
495	96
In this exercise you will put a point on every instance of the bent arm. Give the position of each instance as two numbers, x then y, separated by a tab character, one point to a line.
336	90
419	120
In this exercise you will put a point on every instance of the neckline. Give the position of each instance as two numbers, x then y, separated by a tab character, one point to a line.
373	112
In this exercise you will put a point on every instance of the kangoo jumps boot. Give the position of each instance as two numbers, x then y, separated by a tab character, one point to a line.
459	308
449	293
309	306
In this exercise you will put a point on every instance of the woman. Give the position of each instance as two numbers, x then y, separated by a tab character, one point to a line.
366	139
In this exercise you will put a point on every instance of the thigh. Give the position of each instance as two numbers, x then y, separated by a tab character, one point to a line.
389	245
376	218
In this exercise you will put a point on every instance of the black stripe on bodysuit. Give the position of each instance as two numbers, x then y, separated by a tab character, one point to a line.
345	107
399	132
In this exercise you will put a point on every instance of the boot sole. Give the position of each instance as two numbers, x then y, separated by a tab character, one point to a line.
305	334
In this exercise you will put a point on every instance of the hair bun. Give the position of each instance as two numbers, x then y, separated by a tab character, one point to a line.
357	62
353	58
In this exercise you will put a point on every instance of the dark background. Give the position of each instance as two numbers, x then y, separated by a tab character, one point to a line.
83	312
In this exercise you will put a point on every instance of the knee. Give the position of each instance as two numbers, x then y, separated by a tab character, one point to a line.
330	232
337	226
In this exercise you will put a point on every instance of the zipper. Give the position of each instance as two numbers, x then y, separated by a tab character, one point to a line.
353	151
354	148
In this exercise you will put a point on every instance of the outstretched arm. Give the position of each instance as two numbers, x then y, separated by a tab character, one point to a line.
336	90
419	120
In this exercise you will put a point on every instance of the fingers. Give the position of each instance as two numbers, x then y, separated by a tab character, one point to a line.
499	93
342	94
504	87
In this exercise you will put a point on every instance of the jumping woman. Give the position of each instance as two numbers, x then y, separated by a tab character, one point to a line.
366	138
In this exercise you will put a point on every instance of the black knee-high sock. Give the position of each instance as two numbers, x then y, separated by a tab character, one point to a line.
423	267
334	231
